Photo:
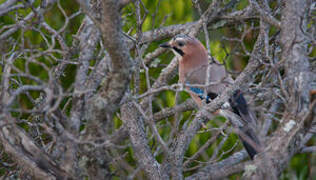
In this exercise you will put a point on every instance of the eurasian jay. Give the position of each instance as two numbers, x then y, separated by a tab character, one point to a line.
193	67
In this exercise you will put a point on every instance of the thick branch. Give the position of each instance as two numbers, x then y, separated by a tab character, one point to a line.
27	154
136	126
117	81
286	141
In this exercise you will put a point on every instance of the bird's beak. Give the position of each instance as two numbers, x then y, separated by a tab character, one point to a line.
165	45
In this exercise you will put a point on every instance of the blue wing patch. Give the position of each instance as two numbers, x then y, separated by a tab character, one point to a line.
200	93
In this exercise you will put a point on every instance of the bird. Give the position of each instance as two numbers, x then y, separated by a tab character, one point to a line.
194	69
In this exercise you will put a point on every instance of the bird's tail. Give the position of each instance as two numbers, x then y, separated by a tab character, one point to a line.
250	148
248	135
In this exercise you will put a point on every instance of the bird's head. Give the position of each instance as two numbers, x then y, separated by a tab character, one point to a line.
184	45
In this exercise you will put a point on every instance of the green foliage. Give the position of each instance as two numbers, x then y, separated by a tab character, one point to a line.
168	11
217	51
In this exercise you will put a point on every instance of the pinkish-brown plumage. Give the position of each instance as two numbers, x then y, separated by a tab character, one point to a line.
193	68
195	56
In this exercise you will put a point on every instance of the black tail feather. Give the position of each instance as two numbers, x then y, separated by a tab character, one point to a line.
240	107
249	148
239	103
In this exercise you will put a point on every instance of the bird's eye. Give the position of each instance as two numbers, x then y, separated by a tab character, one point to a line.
180	44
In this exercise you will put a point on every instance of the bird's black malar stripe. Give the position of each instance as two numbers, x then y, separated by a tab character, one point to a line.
178	51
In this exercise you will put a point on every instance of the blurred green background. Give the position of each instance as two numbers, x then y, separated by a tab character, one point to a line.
168	12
